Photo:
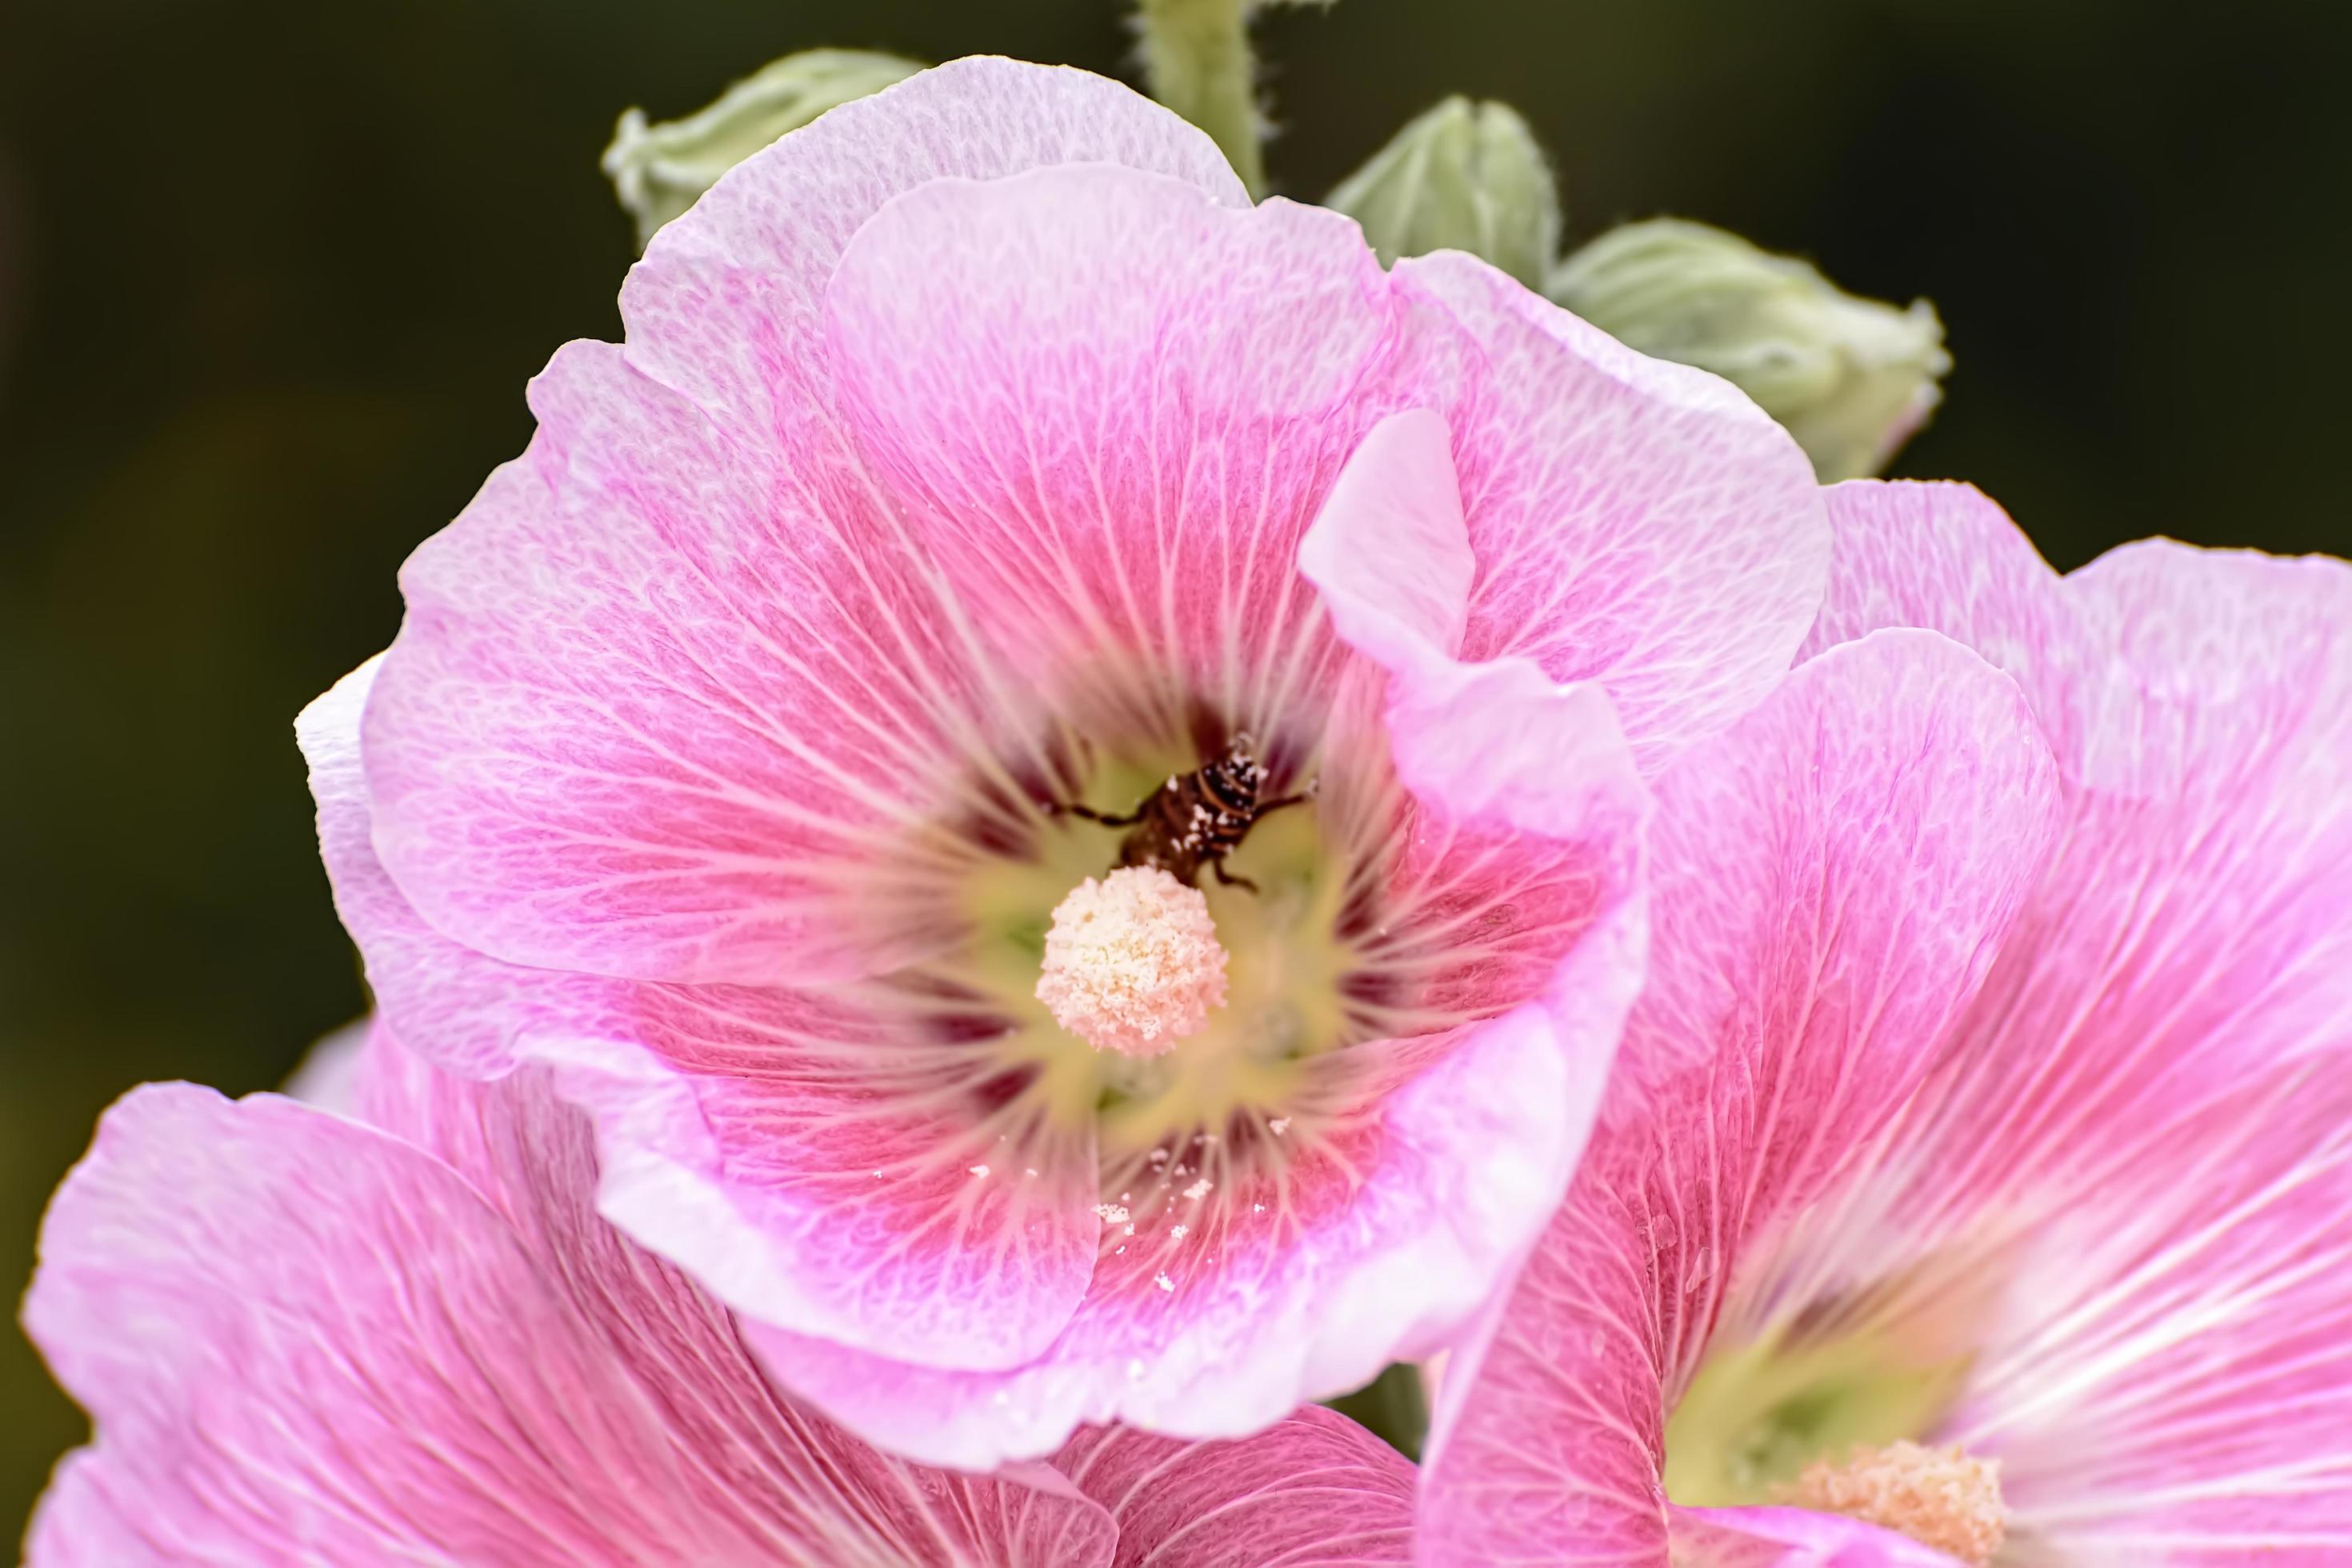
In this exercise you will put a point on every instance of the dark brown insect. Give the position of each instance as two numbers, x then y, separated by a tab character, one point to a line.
1198	818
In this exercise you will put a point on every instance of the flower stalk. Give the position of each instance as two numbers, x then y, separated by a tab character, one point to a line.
1197	59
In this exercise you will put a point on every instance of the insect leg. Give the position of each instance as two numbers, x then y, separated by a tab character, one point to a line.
1229	879
1128	819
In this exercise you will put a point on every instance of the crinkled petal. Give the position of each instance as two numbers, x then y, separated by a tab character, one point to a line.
1313	1489
674	702
2193	929
1829	881
303	1340
1637	523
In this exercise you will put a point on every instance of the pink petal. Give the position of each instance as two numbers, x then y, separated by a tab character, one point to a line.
2147	1108
1637	523
1314	1483
827	1191
1522	809
2171	1375
2194	928
303	1340
839	1187
722	305
1831	878
1943	556
460	999
1382	1235
648	717
1313	1489
87	1519
1106	410
1390	551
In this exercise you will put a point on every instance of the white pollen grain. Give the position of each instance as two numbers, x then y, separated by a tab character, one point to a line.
1164	1282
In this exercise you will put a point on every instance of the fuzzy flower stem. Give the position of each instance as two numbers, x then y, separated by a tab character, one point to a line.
1196	55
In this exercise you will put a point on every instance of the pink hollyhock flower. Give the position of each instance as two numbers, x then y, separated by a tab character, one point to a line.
958	473
305	1339
2054	1271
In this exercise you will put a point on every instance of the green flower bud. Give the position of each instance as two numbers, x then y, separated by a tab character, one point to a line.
1461	176
1850	378
660	171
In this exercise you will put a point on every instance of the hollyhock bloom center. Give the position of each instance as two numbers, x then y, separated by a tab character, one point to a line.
1132	962
990	502
1938	1497
1090	974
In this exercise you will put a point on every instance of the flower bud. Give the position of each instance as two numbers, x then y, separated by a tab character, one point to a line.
660	171
1850	378
1461	176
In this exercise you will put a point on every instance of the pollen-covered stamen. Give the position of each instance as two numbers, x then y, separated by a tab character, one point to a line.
1132	962
1938	1497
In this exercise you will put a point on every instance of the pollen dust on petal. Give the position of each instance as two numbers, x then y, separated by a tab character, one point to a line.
1938	1497
1132	962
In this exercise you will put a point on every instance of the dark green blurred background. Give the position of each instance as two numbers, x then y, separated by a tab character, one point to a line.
272	274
